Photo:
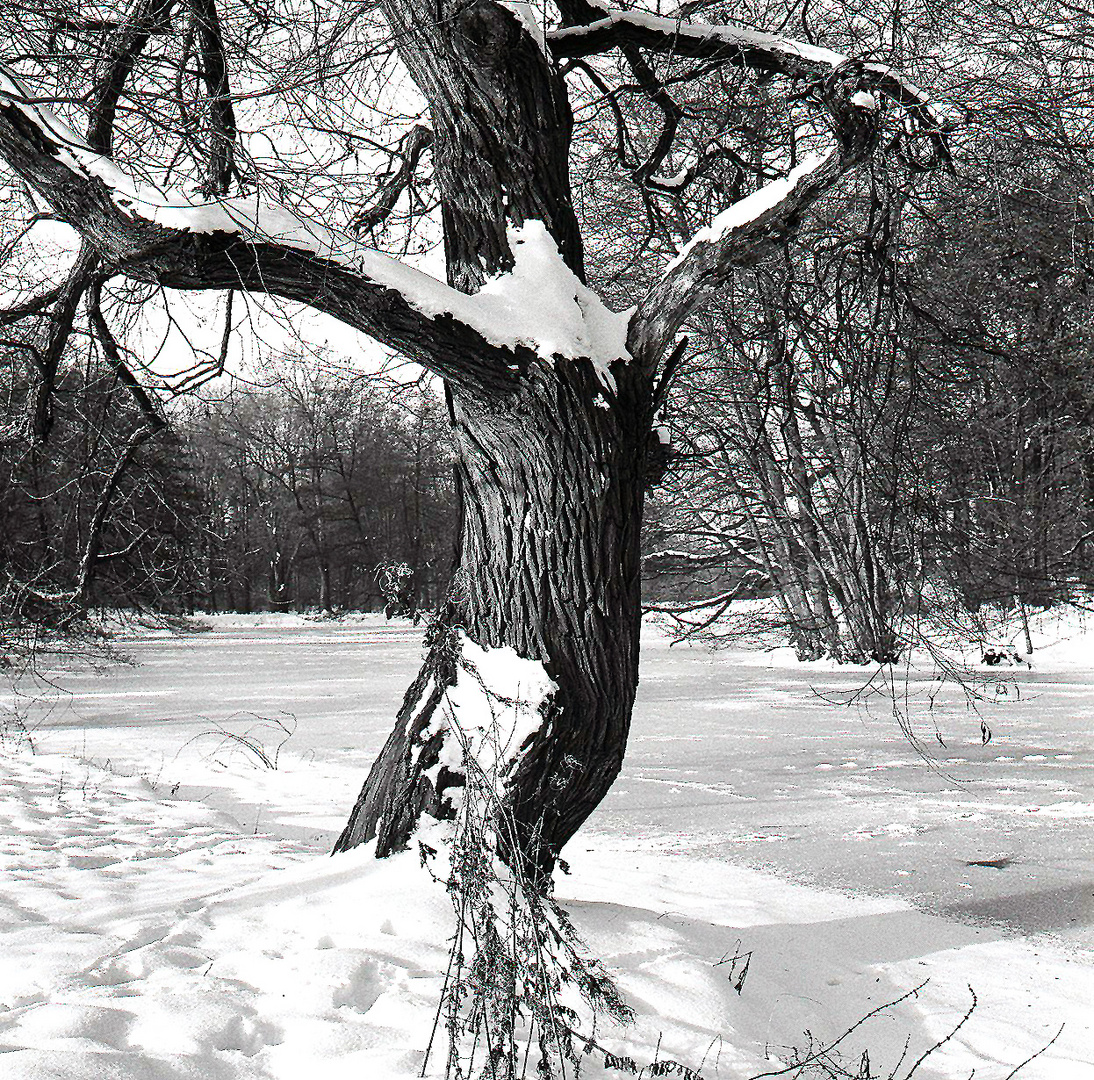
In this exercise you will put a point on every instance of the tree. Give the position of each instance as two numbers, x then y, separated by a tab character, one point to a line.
1012	450
99	513
799	476
552	396
315	484
967	368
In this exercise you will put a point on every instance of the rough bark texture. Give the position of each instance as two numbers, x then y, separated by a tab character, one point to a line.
501	126
552	487
550	474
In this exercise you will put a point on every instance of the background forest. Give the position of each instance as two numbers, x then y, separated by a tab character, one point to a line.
306	493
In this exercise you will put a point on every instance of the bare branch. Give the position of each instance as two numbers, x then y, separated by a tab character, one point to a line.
150	17
614	28
670	110
31	306
411	147
222	120
112	352
89	559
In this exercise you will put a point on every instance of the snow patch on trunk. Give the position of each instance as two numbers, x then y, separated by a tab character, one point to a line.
493	710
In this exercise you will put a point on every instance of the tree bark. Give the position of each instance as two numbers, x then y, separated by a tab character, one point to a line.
550	566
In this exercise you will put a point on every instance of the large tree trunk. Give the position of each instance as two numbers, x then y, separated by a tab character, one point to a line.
549	471
549	566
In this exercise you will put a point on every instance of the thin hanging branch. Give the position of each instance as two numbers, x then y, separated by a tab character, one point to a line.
47	357
112	351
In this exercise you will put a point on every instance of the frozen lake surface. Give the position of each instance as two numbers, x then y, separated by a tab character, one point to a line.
741	756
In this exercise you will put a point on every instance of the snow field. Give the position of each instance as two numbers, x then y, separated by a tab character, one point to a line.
147	937
186	922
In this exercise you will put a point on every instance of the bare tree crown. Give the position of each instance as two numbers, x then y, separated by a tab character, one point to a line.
501	90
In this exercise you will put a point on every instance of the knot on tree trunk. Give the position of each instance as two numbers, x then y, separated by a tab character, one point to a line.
493	31
854	108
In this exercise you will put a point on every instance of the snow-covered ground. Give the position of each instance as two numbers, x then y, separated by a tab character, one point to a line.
169	911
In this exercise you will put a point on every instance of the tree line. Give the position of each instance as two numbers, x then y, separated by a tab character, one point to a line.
304	493
891	420
873	426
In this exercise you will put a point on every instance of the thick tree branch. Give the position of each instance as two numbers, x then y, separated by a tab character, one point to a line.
748	229
613	28
738	237
47	359
222	119
252	243
742	234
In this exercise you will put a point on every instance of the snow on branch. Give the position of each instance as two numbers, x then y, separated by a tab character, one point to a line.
736	45
737	237
847	89
738	216
253	241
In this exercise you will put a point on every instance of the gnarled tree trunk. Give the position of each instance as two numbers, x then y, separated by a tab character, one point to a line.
552	487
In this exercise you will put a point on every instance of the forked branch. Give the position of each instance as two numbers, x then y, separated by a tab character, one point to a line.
738	237
411	147
848	89
750	228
